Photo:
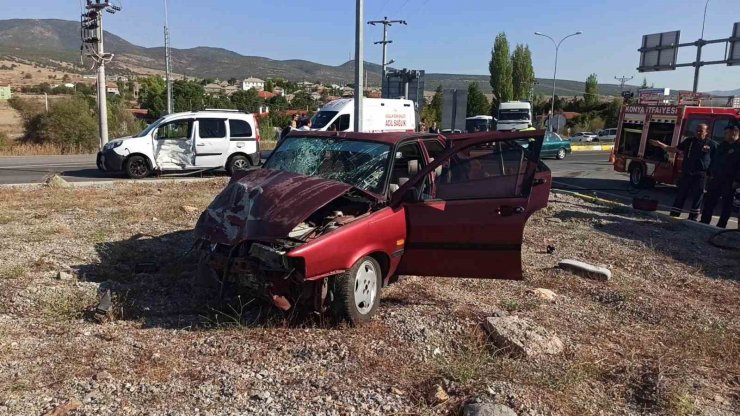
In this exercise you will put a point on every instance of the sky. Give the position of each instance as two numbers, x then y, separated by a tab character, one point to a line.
441	35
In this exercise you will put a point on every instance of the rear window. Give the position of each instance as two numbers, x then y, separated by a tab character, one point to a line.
240	129
211	128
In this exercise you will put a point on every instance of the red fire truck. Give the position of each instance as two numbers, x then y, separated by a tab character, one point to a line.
669	124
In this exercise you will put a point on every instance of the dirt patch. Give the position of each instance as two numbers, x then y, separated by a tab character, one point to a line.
662	336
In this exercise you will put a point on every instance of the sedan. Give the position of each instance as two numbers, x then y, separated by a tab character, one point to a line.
555	146
584	136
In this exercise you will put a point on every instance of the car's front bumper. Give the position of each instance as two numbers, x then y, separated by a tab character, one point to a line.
109	161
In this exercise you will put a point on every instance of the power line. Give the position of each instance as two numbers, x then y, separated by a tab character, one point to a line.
386	24
622	80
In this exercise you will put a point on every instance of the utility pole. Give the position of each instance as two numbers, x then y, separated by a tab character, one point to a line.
622	80
386	23
167	58
359	63
92	43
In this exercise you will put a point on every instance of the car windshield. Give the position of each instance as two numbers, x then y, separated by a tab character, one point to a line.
477	124
550	136
322	119
358	163
513	115
149	128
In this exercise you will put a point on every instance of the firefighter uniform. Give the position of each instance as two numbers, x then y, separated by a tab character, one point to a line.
722	175
697	155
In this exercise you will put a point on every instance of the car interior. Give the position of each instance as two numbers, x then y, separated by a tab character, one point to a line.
407	163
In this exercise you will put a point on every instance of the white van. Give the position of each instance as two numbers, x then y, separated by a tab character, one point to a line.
378	115
514	115
186	141
478	123
607	135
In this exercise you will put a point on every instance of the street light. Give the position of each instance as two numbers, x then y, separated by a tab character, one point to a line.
555	73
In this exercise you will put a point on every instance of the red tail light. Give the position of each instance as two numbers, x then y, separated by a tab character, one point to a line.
257	129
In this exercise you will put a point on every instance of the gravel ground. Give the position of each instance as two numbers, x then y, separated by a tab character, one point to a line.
661	337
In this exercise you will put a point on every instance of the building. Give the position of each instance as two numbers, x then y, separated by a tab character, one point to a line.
265	95
278	91
5	93
230	90
213	89
255	83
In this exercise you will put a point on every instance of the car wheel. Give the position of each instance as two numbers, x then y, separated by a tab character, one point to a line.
357	292
561	154
237	162
136	167
637	177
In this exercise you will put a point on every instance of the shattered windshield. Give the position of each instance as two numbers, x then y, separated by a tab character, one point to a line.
354	162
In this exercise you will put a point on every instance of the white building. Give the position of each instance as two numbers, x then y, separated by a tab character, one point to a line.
255	83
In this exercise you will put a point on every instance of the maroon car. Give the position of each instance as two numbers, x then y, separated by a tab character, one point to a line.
331	218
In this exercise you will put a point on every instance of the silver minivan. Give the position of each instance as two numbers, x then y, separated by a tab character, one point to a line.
607	135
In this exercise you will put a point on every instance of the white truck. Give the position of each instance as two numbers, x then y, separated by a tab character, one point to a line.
378	115
514	115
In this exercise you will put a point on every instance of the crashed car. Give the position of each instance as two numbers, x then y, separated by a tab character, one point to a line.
331	218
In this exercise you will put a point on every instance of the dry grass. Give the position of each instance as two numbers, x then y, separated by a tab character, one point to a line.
46	149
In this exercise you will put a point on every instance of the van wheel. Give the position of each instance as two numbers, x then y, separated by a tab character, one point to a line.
136	167
237	162
357	292
561	154
637	177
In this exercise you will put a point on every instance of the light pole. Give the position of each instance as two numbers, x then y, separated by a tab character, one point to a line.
699	44
555	72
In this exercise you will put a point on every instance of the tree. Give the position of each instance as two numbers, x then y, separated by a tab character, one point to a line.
248	101
186	96
269	85
522	73
433	111
644	83
500	69
232	81
152	95
71	125
591	96
277	103
477	102
302	101
611	114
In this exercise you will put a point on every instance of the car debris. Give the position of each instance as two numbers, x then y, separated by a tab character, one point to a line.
104	307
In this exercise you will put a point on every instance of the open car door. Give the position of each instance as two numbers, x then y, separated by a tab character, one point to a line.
466	211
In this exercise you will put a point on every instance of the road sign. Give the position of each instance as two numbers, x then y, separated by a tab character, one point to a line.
659	52
734	57
691	98
653	95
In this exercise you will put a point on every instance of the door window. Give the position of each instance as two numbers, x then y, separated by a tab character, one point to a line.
489	170
434	147
340	124
175	130
662	132
718	130
689	129
407	163
629	143
211	128
240	129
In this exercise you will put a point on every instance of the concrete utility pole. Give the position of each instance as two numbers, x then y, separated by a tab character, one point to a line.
359	63
386	23
92	41
623	80
167	58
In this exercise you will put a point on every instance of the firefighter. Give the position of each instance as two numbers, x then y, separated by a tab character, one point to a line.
721	177
697	156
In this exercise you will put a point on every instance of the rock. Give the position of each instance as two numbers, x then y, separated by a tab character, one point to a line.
62	410
521	337
62	275
57	182
189	210
261	395
102	376
487	409
545	294
437	395
586	270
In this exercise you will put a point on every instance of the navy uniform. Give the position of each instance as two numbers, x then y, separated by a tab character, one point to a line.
697	159
722	173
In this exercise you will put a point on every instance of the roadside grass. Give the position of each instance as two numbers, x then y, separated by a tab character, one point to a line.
12	272
46	149
65	304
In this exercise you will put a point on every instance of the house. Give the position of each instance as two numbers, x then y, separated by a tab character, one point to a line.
278	91
290	97
213	89
5	93
112	89
230	90
347	92
265	95
255	83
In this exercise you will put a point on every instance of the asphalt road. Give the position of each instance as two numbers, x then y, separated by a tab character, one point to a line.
585	172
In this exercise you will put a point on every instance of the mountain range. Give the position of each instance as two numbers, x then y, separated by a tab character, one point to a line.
53	41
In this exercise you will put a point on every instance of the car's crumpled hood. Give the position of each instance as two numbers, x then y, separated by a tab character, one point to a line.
265	204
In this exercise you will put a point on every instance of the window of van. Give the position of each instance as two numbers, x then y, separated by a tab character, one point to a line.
662	132
322	118
629	143
240	129
211	128
175	130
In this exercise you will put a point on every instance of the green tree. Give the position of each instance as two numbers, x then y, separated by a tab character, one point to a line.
477	101
500	69
248	101
611	113
70	124
591	96
302	101
121	121
269	85
186	96
522	73
433	111
277	103
152	95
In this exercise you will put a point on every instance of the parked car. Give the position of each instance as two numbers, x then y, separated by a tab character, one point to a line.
607	135
331	218
555	146
584	136
208	139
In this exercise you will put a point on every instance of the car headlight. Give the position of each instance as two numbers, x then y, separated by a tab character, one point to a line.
112	145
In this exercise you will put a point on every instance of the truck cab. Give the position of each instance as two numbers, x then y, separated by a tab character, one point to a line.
514	115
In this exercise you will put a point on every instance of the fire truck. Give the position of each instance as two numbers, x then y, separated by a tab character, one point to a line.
670	124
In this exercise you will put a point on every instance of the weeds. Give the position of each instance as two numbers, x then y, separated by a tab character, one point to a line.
468	360
66	305
12	272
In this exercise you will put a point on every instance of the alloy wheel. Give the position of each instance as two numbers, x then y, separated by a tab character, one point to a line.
366	288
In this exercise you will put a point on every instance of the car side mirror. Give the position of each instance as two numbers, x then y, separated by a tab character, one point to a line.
410	196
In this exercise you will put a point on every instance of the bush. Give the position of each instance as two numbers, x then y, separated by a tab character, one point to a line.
70	124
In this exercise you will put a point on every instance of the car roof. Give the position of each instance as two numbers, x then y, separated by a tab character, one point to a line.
212	113
387	137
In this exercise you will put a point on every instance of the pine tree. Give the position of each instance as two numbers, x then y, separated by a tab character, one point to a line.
591	96
522	73
500	69
477	101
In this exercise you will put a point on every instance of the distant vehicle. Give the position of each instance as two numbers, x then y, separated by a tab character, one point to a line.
378	115
555	146
478	123
670	124
607	135
514	115
450	131
186	141
584	136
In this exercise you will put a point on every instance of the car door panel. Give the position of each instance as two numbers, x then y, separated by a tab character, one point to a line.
173	147
211	143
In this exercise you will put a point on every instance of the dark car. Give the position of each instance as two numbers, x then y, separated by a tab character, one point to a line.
555	146
331	218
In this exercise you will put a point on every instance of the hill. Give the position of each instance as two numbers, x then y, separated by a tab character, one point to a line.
53	41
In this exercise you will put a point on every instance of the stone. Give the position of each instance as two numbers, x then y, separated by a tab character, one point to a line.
487	409
189	209
543	293
437	395
57	182
64	409
62	275
521	337
586	270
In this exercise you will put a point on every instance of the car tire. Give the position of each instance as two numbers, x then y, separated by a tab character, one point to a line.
137	167
237	162
637	177
357	292
561	154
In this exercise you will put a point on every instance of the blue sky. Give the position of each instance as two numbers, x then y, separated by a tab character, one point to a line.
441	36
